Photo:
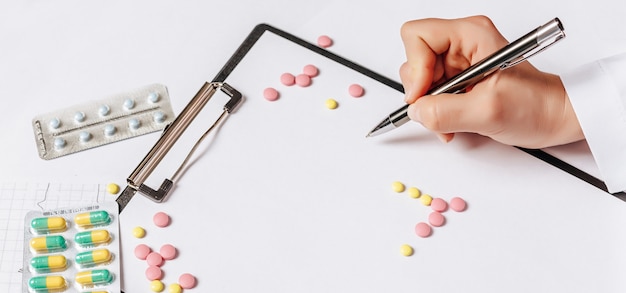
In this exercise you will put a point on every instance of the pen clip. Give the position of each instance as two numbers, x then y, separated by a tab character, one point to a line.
546	36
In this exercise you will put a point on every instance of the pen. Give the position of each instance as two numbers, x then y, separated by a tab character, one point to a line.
511	55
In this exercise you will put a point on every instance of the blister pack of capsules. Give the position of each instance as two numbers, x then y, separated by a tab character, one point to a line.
120	116
72	250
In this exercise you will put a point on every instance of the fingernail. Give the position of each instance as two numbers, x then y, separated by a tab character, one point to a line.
414	113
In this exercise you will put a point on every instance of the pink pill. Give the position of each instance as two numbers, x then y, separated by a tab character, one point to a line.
457	204
187	281
423	230
303	80
270	94
436	219
161	219
168	251
154	259
356	90
324	41
154	273
142	251
439	205
310	70
287	79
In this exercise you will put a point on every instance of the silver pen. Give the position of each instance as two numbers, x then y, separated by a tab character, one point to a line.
511	55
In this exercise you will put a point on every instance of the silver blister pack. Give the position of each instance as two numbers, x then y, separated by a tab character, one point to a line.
101	122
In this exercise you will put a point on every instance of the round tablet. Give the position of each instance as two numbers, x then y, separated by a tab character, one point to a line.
310	70
303	80
436	219
423	230
139	232
142	251
414	192
397	186
331	104
287	79
324	41
457	204
426	199
439	205
356	90
406	250
157	286
161	219
154	259
187	281
174	288
270	94
113	188
154	273
168	251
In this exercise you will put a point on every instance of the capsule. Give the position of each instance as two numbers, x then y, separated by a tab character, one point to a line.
90	219
94	278
48	224
91	238
48	263
47	283
93	257
48	243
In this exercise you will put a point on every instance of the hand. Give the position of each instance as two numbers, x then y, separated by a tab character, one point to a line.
519	106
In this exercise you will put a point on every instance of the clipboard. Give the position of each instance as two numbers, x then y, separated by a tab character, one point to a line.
291	197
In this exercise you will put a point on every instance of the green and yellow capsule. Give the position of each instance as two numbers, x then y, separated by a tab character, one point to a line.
94	278
91	238
48	224
47	283
48	243
93	257
49	263
91	219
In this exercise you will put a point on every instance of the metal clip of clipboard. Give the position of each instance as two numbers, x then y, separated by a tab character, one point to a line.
169	137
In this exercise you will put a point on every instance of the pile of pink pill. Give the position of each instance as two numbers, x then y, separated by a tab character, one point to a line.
156	259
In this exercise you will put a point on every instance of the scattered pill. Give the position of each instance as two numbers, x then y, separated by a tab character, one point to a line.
109	130
436	219
426	199
129	104
187	281
84	136
303	80
159	117
414	192
406	250
139	232
142	251
168	252
153	97
113	188
134	124
91	238
331	104
324	41
174	288
47	283
93	257
270	94
49	263
356	90
157	286
397	186
59	143
48	243
104	110
54	123
287	79
154	273
48	224
161	219
310	70
423	230
439	205
90	219
79	116
94	278
457	204
154	259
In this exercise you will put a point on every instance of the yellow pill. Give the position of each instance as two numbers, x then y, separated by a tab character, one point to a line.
139	232
331	104
113	188
414	192
426	199
397	186
406	250
90	238
174	288
157	286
